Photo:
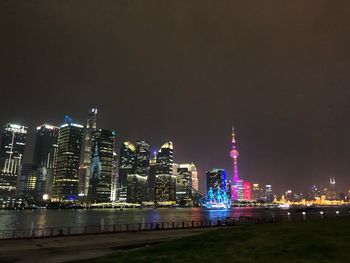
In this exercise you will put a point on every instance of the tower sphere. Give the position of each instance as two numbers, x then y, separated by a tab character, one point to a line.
234	153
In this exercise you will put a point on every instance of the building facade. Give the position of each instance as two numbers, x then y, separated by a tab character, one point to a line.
165	181
66	178
45	153
268	193
126	167
184	189
12	148
137	183
101	169
86	153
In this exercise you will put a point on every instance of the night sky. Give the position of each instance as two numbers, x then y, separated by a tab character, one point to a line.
185	71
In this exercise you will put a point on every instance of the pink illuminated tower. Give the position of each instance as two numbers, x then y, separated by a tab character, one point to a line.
234	156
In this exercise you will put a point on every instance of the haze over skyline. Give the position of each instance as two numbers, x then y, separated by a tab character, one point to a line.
186	71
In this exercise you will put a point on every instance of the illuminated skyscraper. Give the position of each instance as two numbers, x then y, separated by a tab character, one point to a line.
331	193
136	188
137	183
66	178
126	166
257	194
114	191
86	153
184	175
268	193
237	184
314	193
151	180
11	154
101	168
247	191
45	152
195	183
165	183
28	175
142	158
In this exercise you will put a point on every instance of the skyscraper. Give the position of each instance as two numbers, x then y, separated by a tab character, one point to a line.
268	193
184	190
165	183
237	184
331	193
247	191
28	175
126	166
45	153
216	178
137	183
11	154
115	177
195	183
142	158
136	188
151	179
86	153
67	162
101	168
257	194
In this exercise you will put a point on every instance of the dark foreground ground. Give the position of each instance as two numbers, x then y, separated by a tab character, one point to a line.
323	240
68	248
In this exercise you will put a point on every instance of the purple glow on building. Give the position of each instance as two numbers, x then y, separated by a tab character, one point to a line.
234	154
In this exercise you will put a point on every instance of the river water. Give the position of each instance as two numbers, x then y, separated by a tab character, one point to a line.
24	219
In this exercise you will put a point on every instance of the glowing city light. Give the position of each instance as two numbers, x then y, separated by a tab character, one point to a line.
217	199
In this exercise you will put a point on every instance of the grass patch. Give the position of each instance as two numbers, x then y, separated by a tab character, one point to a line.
326	240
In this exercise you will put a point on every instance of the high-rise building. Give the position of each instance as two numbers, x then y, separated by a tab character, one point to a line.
86	153
151	180
184	175
216	178
268	193
257	194
28	175
115	177
136	188
314	192
142	158
101	168
126	166
289	196
45	153
237	189
332	191
247	191
66	178
137	183
195	182
11	155
165	182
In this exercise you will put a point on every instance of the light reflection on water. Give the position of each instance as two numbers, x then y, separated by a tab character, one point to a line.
79	217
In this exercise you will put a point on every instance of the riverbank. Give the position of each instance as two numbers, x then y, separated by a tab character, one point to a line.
319	240
62	249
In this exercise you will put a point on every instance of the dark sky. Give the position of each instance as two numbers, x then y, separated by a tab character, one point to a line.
186	71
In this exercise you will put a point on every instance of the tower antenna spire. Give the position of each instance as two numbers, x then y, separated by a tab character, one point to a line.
233	138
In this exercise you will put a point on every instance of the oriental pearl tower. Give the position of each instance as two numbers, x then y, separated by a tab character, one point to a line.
234	156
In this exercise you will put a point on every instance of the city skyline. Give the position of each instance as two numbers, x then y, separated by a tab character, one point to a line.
68	121
278	72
